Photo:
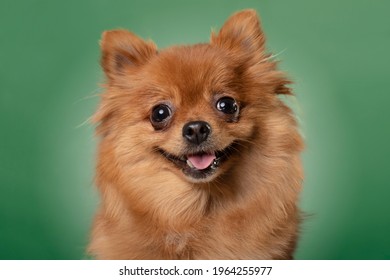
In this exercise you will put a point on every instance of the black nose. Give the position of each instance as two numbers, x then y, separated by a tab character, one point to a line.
196	132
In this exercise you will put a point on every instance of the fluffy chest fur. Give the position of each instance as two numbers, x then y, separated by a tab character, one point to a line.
254	216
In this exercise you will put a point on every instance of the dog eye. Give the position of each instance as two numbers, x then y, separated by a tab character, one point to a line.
227	105
159	115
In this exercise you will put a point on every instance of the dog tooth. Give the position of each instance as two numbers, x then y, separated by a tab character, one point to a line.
190	164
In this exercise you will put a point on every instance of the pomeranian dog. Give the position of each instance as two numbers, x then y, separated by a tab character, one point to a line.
198	157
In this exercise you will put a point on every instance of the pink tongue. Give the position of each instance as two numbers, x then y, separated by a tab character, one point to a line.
201	161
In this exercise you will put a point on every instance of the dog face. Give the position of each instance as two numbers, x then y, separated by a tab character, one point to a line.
192	110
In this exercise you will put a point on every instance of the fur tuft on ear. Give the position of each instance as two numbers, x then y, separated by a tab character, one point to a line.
122	51
284	89
281	83
241	34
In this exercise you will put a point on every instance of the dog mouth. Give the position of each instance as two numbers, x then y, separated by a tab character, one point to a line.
203	164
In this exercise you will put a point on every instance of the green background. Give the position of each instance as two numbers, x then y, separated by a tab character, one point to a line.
337	52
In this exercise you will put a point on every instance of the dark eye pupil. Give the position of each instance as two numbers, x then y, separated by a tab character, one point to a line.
227	105
160	113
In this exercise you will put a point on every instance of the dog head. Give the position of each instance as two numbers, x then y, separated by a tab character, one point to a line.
191	110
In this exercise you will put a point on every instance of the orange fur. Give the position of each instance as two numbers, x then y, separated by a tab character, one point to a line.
149	208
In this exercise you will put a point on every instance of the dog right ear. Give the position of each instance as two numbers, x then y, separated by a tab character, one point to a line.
123	52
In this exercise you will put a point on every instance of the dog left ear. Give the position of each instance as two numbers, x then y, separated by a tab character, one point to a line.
241	35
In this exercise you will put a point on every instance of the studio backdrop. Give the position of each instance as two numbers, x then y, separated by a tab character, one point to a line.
336	52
